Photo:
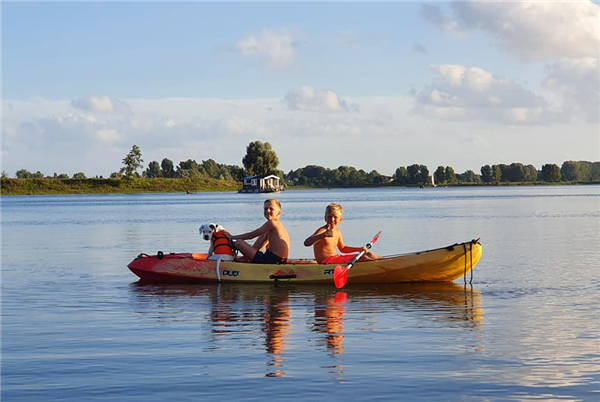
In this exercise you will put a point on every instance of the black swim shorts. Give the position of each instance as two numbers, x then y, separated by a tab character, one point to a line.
267	258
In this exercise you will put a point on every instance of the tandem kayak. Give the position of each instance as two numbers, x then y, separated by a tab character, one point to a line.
439	265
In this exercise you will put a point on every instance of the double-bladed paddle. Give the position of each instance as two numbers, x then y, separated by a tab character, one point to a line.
340	274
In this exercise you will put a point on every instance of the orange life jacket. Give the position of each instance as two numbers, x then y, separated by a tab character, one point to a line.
220	244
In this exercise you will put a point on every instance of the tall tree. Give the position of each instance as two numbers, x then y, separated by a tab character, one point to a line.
450	175
516	173
496	173
132	162
153	170
531	173
486	174
401	176
424	174
413	173
188	168
551	172
167	168
439	175
570	171
260	159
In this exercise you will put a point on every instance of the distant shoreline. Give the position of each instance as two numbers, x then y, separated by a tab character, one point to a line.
47	186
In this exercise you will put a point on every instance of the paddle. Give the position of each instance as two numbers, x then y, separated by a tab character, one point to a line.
340	274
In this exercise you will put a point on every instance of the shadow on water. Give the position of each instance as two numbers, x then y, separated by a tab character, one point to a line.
273	318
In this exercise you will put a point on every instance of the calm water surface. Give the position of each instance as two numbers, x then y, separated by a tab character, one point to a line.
77	327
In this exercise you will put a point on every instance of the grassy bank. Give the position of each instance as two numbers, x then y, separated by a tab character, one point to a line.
112	186
144	185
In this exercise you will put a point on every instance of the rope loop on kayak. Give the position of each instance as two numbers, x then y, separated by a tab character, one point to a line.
471	258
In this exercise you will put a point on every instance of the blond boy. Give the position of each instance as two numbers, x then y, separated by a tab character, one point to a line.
272	234
328	239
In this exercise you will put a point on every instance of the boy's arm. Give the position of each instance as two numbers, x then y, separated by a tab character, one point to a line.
262	241
251	235
347	249
320	234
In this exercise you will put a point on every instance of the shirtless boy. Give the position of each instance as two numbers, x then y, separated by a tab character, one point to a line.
272	235
328	239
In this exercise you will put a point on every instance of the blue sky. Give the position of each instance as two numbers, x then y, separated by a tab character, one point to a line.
374	86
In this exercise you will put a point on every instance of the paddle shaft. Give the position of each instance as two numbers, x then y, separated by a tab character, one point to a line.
351	264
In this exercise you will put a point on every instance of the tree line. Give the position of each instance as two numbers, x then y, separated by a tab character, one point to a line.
262	160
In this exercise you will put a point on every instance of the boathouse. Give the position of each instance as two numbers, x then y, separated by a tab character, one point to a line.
261	184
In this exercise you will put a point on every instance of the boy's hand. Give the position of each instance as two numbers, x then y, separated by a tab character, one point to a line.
328	231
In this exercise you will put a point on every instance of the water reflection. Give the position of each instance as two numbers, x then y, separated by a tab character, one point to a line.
273	319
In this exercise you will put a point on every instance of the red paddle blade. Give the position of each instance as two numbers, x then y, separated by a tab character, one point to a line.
376	238
340	276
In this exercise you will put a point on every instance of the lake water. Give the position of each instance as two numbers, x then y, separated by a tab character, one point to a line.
77	327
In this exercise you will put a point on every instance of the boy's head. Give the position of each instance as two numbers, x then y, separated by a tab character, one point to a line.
272	209
334	213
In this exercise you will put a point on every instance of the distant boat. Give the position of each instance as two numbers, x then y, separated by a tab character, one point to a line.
433	181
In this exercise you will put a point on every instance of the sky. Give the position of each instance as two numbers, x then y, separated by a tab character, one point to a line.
375	86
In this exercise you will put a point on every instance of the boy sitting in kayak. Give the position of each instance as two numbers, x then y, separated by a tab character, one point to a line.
272	235
328	239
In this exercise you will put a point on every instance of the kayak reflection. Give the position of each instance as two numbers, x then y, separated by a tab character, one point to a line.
251	317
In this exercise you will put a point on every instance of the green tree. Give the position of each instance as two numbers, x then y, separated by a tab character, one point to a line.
132	161
486	174
401	176
496	173
237	173
450	175
531	173
260	159
516	173
153	170
413	173
470	177
167	168
424	174
570	171
188	168
79	175
37	175
23	174
551	173
439	176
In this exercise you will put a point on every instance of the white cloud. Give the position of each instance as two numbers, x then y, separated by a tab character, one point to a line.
382	137
530	30
101	104
309	99
472	93
577	83
108	135
274	48
477	142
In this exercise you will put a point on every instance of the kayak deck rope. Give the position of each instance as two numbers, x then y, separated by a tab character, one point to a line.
471	260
